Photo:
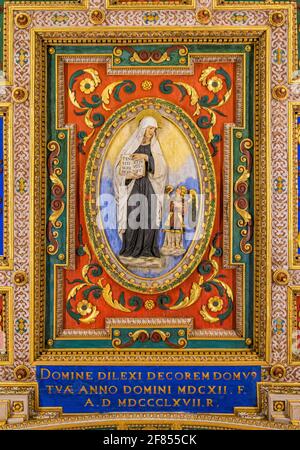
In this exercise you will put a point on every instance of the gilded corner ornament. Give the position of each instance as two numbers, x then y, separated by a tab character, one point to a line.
277	18
278	372
22	20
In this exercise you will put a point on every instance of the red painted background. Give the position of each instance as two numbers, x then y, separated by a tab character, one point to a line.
71	117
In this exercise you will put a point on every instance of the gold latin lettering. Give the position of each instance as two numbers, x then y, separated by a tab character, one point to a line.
88	403
240	389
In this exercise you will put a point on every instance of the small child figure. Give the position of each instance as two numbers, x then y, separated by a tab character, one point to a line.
174	224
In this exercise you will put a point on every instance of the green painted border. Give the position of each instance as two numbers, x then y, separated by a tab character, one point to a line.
51	260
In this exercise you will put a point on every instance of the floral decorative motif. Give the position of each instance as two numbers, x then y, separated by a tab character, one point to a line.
57	191
279	326
86	107
149	304
154	336
215	304
84	307
214	84
17	407
147	85
87	86
202	102
21	326
85	311
241	203
22	57
239	17
22	186
279	406
150	17
59	18
279	185
279	56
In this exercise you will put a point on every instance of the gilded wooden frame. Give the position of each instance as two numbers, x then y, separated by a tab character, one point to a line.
245	419
43	38
6	260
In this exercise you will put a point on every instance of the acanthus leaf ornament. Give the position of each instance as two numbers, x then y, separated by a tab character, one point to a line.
214	81
88	86
215	303
85	311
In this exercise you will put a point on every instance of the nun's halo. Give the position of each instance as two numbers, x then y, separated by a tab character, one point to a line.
147	113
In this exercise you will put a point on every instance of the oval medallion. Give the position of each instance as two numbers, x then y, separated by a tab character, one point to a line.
150	196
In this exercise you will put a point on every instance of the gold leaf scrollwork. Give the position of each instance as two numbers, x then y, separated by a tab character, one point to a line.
216	303
86	311
192	298
241	203
143	336
213	84
106	93
108	297
57	191
86	107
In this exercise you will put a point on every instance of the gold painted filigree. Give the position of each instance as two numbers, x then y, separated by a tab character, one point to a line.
213	84
215	304
241	203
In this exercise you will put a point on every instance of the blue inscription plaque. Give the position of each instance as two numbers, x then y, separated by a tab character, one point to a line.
87	389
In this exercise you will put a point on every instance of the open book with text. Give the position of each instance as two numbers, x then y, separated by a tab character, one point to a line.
129	166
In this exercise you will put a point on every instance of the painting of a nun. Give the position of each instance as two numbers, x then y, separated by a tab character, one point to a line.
139	198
